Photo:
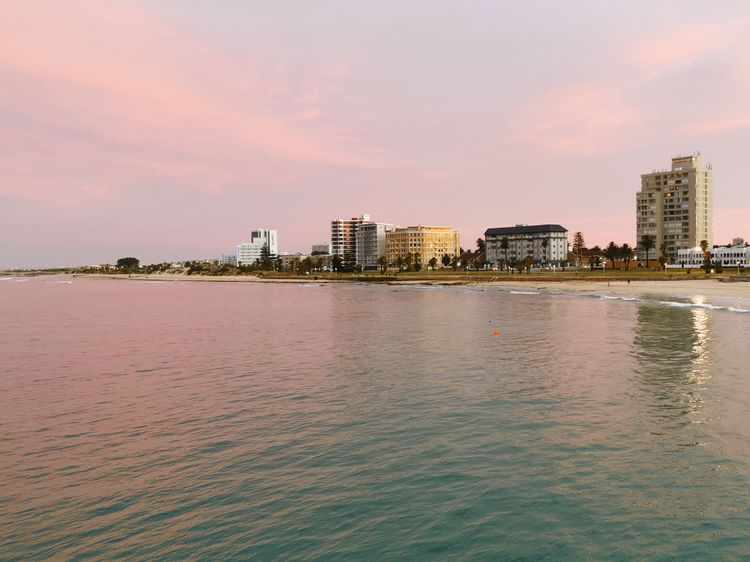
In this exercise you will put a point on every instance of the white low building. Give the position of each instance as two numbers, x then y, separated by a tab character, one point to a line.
727	257
228	259
250	252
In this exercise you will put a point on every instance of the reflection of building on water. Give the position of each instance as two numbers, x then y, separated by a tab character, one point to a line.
671	346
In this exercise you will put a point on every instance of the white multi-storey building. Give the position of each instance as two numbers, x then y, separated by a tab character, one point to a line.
370	243
250	252
527	240
344	237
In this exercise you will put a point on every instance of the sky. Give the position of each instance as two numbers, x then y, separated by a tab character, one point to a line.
167	130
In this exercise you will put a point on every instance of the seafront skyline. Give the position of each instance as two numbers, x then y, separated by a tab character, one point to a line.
468	116
417	280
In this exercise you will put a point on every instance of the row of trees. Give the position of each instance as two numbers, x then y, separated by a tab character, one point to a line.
647	244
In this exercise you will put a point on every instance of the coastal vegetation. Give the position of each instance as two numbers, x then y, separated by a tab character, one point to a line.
611	263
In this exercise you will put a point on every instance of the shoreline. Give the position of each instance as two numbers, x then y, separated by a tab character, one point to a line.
670	287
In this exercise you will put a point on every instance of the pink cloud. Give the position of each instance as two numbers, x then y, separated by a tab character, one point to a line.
679	45
579	118
111	84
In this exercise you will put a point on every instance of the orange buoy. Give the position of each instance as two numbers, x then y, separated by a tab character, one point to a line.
496	333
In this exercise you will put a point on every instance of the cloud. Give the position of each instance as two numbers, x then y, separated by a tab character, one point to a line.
138	92
581	118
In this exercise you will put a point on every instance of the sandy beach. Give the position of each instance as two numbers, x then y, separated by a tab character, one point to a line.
697	287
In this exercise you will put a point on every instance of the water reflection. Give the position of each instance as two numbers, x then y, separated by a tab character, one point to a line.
671	346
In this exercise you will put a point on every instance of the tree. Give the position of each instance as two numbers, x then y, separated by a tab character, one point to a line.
349	262
128	263
545	245
446	260
383	263
408	261
336	263
433	262
307	265
399	262
648	242
455	260
481	252
527	263
505	245
707	255
578	245
417	261
612	252
663	259
266	260
467	257
626	253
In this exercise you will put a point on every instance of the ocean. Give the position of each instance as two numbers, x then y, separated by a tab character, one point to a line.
145	420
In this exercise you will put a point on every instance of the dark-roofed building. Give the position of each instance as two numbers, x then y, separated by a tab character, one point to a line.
545	243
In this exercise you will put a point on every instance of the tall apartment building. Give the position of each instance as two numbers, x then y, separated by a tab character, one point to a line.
427	241
344	236
527	240
323	248
676	207
249	252
370	243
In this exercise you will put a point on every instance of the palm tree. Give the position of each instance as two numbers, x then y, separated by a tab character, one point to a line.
706	255
446	260
408	260
433	262
480	256
545	244
383	263
481	246
505	245
612	251
648	242
663	259
626	252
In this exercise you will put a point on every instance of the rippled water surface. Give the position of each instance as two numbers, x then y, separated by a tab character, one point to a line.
265	421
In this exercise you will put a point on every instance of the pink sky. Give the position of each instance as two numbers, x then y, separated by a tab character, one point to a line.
168	130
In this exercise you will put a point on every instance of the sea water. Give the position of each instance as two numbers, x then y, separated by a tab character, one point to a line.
282	421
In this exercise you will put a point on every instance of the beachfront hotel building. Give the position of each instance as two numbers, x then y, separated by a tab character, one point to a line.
527	240
731	256
676	207
344	237
427	241
250	252
370	243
